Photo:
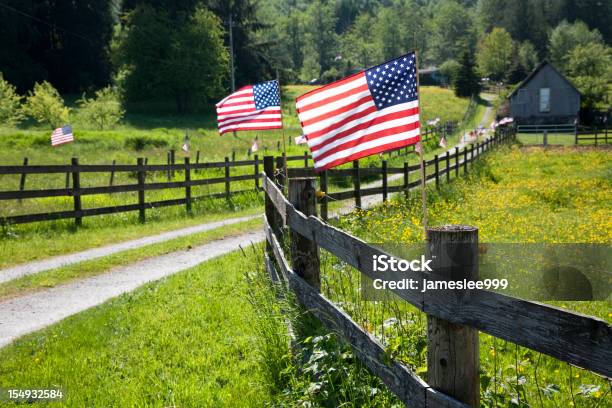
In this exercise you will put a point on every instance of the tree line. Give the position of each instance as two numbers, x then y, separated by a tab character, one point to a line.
178	50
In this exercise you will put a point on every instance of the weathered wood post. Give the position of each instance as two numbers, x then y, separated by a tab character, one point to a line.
22	180
256	170
406	179
227	178
437	169
465	160
168	162
305	158
187	186
304	252
112	175
172	161
141	190
197	157
457	164
452	349
447	166
271	214
357	184
323	183
385	187
76	191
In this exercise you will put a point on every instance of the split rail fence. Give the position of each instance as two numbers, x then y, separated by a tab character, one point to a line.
454	317
74	189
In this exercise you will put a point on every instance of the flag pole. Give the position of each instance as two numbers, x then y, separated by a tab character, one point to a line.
423	186
286	178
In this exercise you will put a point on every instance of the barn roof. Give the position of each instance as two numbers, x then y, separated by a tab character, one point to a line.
535	71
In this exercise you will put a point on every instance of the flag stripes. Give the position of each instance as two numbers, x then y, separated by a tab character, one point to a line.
62	135
252	107
367	113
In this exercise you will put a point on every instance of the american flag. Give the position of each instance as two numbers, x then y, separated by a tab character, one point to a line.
370	112
62	135
252	107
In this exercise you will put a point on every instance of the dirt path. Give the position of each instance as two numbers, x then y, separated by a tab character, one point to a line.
37	310
63	260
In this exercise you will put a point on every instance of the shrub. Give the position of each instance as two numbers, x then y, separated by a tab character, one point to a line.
10	109
139	143
46	106
104	111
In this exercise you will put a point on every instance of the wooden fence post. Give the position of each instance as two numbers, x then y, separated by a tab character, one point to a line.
76	191
385	187
280	177
172	161
304	252
197	157
447	166
437	169
452	349
545	138
271	214
112	175
256	170
323	183
141	190
406	179
306	158
465	160
187	186
22	180
227	178
233	155
168	169
357	184
457	162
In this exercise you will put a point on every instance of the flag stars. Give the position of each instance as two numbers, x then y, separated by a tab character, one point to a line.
392	83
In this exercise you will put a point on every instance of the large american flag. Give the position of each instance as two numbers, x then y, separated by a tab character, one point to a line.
252	107
370	112
62	135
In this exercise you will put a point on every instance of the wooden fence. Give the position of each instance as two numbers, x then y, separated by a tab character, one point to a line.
454	319
74	171
598	136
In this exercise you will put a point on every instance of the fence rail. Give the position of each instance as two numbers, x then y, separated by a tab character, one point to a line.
580	340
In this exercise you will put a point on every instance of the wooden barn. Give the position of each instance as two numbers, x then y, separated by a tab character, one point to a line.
545	97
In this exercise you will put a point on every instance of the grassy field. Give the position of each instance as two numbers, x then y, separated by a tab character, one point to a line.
519	195
185	341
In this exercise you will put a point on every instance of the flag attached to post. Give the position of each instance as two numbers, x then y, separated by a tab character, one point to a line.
443	142
62	135
367	113
252	107
301	139
255	146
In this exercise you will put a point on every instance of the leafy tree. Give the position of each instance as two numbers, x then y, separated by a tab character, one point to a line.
321	39
104	111
590	68
466	81
45	105
528	56
359	43
565	37
449	69
10	104
495	54
157	57
62	41
453	32
390	34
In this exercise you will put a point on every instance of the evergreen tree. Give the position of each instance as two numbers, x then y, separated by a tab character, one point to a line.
466	82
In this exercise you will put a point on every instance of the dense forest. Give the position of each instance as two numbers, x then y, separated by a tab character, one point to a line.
179	50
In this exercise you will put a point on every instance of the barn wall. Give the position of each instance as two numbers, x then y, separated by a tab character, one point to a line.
564	100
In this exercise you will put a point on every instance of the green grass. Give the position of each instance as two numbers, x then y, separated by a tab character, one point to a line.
518	195
85	269
38	241
185	341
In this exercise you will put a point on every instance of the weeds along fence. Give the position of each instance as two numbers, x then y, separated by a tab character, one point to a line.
140	178
454	319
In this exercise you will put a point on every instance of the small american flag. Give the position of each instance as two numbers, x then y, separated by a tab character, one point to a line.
62	135
252	107
443	142
367	113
